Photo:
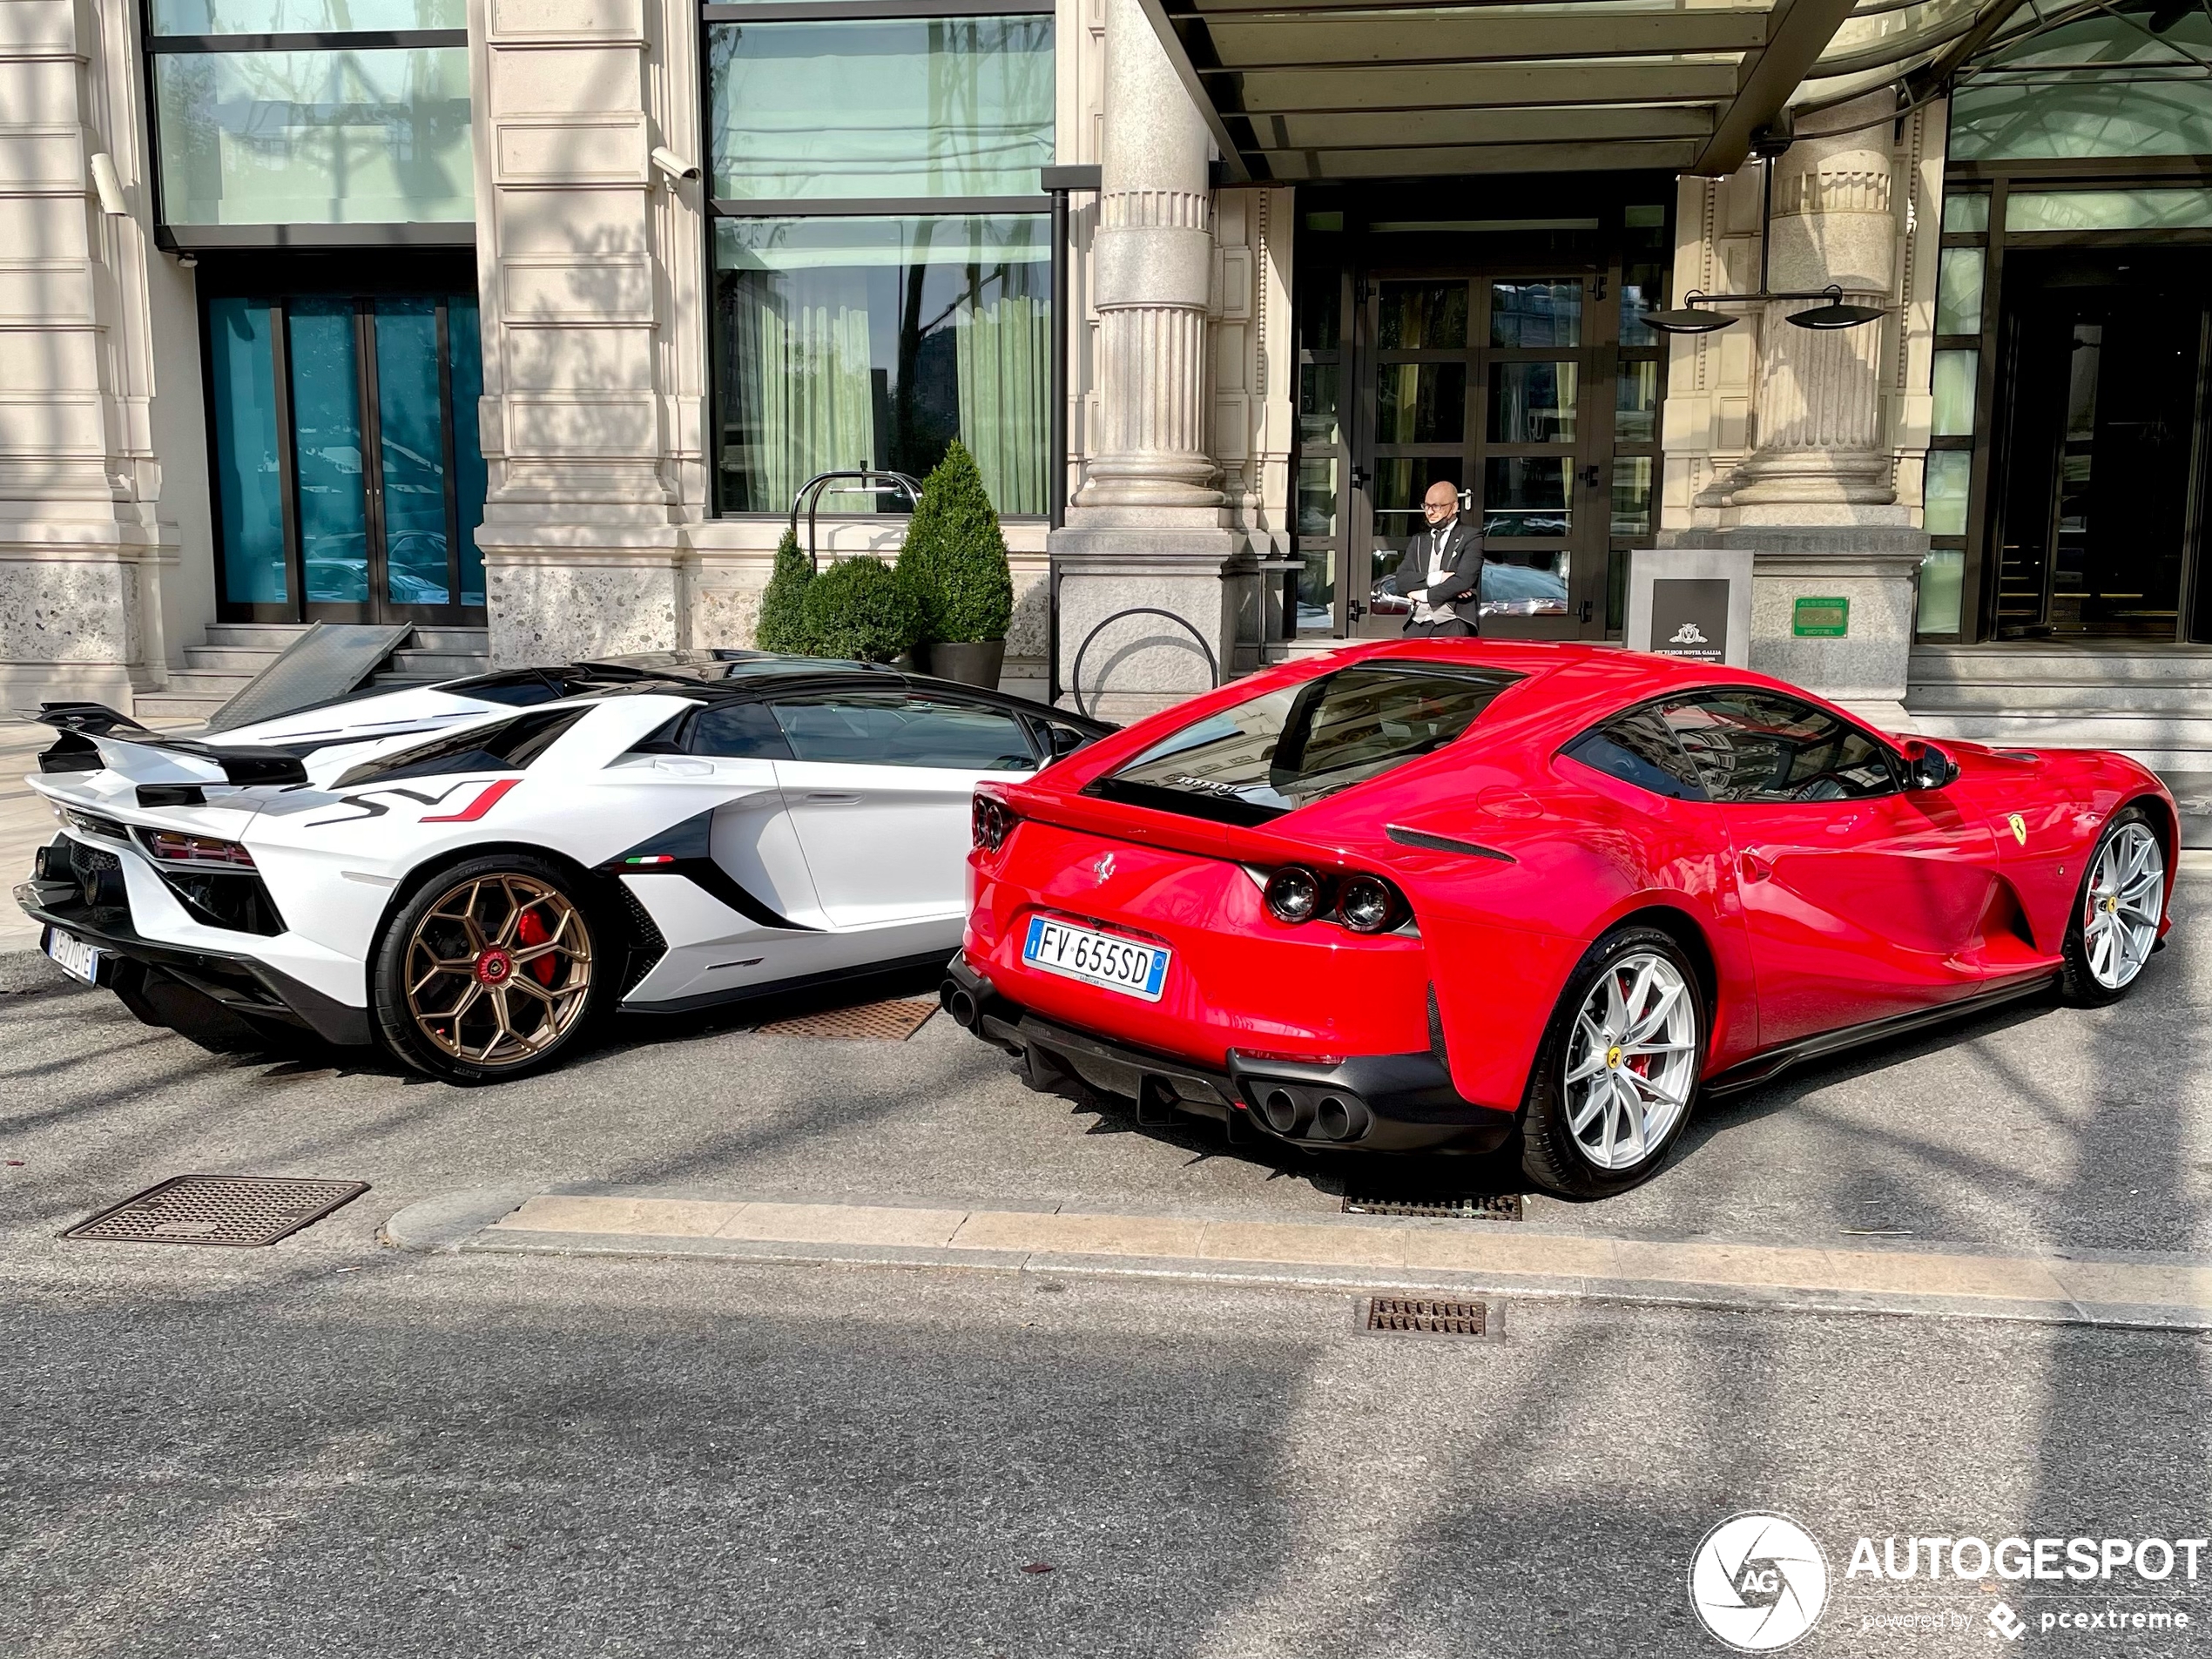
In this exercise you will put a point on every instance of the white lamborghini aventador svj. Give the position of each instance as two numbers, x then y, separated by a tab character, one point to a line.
471	873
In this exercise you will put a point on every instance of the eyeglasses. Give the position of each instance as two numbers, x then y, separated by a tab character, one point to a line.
1434	508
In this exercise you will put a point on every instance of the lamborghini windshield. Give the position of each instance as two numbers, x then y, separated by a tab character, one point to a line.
1291	746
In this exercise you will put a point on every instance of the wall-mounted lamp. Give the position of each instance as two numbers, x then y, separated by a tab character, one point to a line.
675	166
107	185
1688	319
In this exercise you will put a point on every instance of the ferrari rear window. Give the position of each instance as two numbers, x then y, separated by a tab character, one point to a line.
1287	748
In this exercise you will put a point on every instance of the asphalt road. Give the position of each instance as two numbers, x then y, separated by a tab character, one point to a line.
331	1447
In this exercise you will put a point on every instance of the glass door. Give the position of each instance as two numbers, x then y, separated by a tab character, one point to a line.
2099	519
1484	381
348	477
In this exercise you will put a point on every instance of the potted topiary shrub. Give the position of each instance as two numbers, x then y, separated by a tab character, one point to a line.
956	556
782	626
860	610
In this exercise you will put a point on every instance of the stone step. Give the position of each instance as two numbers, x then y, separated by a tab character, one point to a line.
154	706
471	642
2139	735
1993	697
236	659
2009	664
254	635
437	664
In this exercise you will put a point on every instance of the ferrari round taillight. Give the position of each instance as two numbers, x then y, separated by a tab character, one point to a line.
991	822
1367	904
1293	894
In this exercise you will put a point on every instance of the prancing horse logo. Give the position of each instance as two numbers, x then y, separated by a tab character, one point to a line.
1103	868
2018	824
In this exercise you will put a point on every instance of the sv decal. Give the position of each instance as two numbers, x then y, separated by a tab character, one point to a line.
365	806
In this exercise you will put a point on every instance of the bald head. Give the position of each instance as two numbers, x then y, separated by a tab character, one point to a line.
1441	504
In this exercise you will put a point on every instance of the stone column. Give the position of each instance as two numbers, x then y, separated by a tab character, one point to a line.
85	536
581	536
1815	500
1149	527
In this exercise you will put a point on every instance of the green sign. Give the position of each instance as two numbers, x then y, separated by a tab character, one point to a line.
1820	618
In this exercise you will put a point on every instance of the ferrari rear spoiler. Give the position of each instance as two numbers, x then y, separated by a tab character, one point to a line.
93	736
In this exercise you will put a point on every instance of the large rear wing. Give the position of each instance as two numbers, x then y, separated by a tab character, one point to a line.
94	736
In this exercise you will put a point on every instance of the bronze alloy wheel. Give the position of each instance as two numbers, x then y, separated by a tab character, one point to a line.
497	970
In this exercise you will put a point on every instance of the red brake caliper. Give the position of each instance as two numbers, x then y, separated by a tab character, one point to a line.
532	930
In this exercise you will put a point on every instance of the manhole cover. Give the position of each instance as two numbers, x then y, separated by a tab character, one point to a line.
1425	1316
892	1021
1497	1206
219	1209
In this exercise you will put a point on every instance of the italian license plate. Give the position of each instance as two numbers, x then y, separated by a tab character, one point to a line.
1121	964
74	956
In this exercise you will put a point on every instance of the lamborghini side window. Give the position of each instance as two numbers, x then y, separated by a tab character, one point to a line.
1753	745
506	746
737	731
1637	748
900	729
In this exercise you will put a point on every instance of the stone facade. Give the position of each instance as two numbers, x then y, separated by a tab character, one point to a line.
599	533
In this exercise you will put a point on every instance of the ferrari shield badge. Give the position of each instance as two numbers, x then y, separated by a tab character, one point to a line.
2019	826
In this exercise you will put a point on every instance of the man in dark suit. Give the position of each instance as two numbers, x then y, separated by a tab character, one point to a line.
1441	569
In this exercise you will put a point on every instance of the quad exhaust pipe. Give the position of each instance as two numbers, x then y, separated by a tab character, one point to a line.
1312	1113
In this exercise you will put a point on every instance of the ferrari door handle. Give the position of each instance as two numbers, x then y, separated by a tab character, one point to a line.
823	799
1753	867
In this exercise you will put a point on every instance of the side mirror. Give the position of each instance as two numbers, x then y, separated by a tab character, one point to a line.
1926	766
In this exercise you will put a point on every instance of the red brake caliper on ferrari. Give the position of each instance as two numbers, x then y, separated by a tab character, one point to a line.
532	930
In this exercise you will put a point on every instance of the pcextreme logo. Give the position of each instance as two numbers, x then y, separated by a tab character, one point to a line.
1759	1581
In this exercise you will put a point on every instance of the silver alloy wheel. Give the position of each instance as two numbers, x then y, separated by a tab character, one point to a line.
2126	896
1631	1061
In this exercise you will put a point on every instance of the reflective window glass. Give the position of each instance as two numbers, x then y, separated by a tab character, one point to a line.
1966	212
1942	589
333	495
321	137
1536	313
1524	496
848	342
1959	291
1647	254
1532	402
937	106
2100	84
1638	748
737	731
1752	745
892	729
1953	386
249	477
1631	495
1943	500
1317	497
302	16
1636	403
1420	402
1317	421
1422	316
2108	210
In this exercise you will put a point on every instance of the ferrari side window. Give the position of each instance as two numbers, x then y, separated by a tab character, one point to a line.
898	728
737	731
1637	748
1752	746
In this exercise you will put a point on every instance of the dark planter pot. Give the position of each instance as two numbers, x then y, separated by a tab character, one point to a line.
974	662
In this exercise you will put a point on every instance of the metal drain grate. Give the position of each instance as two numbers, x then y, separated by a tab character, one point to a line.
1426	1316
892	1021
1497	1206
219	1209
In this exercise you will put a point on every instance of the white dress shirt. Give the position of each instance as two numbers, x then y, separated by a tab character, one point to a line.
1438	569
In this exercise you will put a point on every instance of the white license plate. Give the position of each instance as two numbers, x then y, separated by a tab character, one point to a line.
74	956
1120	965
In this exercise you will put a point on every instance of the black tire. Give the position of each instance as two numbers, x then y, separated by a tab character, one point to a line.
530	1026
2078	985
1551	1157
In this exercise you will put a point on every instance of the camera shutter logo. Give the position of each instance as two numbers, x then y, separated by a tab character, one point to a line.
1759	1581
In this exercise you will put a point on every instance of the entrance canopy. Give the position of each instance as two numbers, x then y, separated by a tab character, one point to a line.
1309	90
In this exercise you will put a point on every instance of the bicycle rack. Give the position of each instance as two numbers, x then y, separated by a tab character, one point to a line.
1076	676
810	493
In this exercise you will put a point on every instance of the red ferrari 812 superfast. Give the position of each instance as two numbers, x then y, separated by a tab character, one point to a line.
1422	894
